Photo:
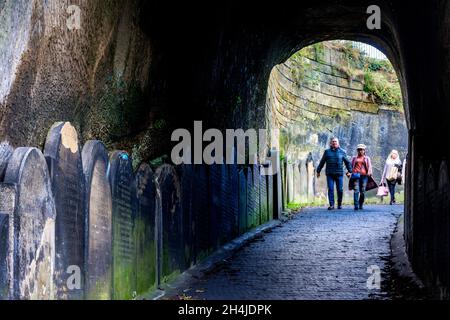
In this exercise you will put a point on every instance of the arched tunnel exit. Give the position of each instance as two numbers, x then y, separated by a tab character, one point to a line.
343	89
91	94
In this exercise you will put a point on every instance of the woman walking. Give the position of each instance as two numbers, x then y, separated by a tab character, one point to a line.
392	173
361	170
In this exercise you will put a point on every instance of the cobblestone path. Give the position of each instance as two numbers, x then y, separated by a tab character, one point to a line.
318	254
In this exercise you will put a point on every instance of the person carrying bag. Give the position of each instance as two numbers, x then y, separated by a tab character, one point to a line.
391	174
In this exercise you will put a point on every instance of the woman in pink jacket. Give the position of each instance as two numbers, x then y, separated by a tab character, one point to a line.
361	170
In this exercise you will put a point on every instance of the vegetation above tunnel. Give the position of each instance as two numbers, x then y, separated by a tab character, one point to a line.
377	75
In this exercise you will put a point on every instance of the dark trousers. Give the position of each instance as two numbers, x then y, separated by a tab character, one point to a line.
360	190
331	180
391	186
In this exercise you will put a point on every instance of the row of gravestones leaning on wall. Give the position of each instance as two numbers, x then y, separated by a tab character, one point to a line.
80	224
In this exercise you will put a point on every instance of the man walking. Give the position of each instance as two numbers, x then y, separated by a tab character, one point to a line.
334	157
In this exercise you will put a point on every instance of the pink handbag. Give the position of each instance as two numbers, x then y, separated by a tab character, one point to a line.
382	191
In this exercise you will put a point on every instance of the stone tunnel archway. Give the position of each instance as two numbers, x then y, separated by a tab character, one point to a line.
221	76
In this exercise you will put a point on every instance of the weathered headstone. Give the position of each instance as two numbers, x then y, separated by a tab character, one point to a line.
216	188
297	182
63	156
186	174
242	206
7	198
284	183
201	212
310	178
168	197
252	200
303	182
263	198
290	182
98	242
123	192
257	185
229	204
33	252
145	230
270	198
7	203
234	199
5	153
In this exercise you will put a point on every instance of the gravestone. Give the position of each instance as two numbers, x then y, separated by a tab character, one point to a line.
303	182
7	192
283	183
270	196
98	242
216	188
225	219
7	202
124	207
297	182
170	222
234	199
145	230
290	182
227	227
263	198
242	201
252	200
63	156
201	212
186	174
5	153
33	252
257	185
310	178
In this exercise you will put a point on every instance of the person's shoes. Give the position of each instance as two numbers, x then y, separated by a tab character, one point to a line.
356	208
391	202
330	208
339	207
360	207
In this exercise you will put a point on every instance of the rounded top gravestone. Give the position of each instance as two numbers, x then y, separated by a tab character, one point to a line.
33	252
145	230
124	201
169	217
98	226
63	157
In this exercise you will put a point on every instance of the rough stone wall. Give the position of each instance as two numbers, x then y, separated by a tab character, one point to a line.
96	76
323	103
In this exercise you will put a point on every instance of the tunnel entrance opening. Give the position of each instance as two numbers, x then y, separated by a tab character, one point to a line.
342	89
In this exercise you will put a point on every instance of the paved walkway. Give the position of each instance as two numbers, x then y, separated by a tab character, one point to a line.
319	254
